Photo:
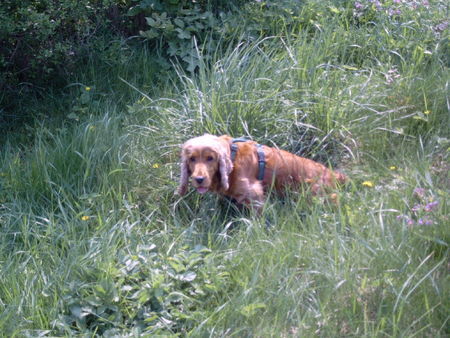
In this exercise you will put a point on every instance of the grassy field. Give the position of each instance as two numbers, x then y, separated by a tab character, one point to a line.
94	242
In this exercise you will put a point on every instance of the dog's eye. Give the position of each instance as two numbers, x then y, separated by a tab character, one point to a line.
192	159
209	158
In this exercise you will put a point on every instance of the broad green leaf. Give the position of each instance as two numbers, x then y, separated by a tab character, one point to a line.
149	34
182	34
188	276
179	23
73	116
176	265
150	21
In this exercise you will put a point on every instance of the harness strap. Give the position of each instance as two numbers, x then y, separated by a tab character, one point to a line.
261	161
260	152
234	147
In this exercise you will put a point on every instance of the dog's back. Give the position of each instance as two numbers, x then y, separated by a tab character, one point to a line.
284	168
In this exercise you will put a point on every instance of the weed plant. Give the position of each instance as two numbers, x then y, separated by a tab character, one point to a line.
94	242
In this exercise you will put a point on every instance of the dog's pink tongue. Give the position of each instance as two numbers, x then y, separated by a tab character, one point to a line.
202	190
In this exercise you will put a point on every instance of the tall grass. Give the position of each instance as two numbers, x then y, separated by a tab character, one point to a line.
95	243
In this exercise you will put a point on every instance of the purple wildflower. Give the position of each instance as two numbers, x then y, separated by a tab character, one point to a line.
431	206
425	221
391	75
419	192
441	27
408	220
416	208
358	5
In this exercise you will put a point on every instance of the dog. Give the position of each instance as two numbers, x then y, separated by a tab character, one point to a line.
245	171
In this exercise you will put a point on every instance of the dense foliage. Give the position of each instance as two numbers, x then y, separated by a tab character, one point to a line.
41	39
43	42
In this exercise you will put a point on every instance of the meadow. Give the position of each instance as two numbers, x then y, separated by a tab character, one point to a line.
93	241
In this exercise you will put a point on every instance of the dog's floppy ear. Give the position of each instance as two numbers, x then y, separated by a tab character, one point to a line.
184	174
225	164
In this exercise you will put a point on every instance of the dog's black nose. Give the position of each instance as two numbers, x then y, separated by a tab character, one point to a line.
199	179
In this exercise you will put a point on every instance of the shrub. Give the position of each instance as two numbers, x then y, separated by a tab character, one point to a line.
147	293
40	41
182	28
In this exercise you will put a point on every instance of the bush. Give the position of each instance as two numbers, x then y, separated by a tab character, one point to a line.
147	293
40	41
181	28
44	44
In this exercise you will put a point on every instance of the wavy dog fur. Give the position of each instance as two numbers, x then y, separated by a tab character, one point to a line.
207	161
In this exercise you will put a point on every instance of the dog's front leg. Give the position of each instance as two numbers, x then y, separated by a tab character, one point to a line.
250	194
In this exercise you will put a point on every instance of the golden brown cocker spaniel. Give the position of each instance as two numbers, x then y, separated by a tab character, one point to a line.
208	161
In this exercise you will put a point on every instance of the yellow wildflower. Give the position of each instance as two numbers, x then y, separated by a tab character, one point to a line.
368	184
85	218
156	166
427	112
392	167
87	88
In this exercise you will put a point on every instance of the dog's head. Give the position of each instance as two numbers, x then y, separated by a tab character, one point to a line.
206	159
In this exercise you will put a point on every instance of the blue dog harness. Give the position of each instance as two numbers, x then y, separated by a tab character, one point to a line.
259	150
